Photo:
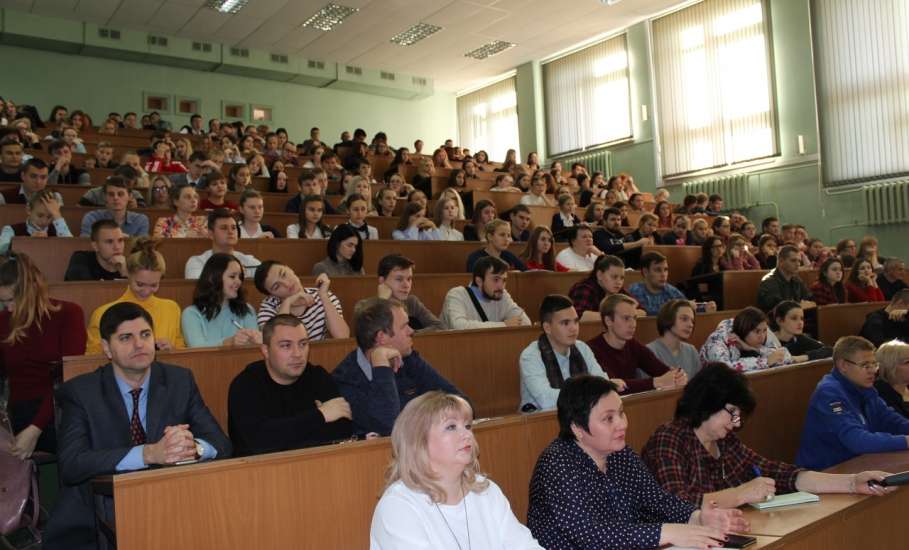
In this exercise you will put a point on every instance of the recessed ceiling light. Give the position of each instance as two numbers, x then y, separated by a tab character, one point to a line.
415	34
610	2
490	49
227	6
330	17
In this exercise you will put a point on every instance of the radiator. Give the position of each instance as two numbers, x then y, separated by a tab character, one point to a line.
887	203
595	161
734	189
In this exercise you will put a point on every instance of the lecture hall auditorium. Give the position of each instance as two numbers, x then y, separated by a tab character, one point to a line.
512	175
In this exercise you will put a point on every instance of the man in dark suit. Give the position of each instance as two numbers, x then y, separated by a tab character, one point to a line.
130	414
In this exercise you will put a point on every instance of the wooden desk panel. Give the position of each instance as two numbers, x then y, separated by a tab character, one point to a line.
681	260
838	320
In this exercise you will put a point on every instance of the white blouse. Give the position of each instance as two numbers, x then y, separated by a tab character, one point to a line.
406	519
449	233
571	260
293	232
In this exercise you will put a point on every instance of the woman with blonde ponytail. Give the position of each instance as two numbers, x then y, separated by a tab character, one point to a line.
36	332
145	266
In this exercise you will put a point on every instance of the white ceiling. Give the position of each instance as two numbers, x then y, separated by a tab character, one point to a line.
538	27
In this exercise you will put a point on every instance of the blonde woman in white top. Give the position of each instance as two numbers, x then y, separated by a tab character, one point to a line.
537	194
436	498
444	215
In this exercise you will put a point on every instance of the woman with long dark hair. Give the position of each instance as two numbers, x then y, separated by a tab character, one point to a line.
220	315
345	253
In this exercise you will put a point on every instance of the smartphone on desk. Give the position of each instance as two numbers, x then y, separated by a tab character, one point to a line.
739	541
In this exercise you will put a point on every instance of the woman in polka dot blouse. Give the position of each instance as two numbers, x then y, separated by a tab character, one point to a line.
590	490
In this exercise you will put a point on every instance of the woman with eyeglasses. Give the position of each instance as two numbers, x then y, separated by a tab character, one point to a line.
892	383
698	457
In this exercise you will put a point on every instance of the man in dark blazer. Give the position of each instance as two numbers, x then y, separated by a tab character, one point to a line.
130	414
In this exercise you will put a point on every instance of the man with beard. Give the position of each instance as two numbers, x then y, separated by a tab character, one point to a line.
484	303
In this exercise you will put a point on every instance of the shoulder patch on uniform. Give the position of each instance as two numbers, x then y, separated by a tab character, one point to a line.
836	407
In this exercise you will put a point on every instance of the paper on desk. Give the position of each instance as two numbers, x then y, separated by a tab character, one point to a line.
789	499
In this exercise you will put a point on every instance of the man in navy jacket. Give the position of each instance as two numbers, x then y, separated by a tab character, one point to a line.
846	416
384	373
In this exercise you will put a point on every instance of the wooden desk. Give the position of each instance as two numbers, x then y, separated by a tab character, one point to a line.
838	320
238	503
681	260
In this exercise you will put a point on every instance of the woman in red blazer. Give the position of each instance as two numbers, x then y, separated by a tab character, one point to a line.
862	284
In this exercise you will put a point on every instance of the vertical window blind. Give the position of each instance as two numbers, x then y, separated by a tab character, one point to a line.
587	97
714	90
488	120
862	64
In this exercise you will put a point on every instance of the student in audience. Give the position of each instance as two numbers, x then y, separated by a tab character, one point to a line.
445	213
239	178
497	237
105	261
395	182
745	343
413	225
33	179
536	196
862	283
829	288
116	195
284	402
589	473
784	283
157	195
737	256
169	423
623	357
891	280
219	314
36	332
868	250
161	160
611	240
215	187
712	252
277	180
145	266
360	186
223	230
418	197
483	213
310	184
890	322
581	253
605	279
386	199
663	212
555	356
564	218
435	468
680	235
816	252
345	254
892	383
252	210
767	253
846	416
654	290
396	281
311	220
63	170
789	327
595	214
700	231
284	294
384	373
183	223
43	219
484	303
539	254
645	234
357	208
675	325
423	178
505	183
97	197
846	247
11	153
698	457
519	216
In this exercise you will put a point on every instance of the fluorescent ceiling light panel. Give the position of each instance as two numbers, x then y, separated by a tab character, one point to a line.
227	6
329	17
414	34
490	49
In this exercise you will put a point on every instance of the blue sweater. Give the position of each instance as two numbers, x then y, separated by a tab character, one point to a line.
844	421
376	403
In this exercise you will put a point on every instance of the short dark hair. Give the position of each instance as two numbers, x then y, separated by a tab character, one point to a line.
55	145
575	230
306	175
710	390
606	261
341	233
102	224
579	395
786	251
780	311
374	316
715	197
651	258
212	177
198	155
612	211
35	163
126	172
391	262
767	221
262	274
486	264
518	208
665	319
280	320
114	181
219	214
120	313
847	345
552	304
747	320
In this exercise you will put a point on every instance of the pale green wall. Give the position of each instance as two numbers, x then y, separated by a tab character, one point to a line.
99	86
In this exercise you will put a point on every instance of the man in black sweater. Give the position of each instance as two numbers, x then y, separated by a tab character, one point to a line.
890	323
284	402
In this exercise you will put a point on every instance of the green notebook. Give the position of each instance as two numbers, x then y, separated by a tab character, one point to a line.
788	499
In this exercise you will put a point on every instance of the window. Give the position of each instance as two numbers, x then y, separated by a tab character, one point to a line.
261	113
152	101
587	97
714	91
862	82
488	119
188	106
233	110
